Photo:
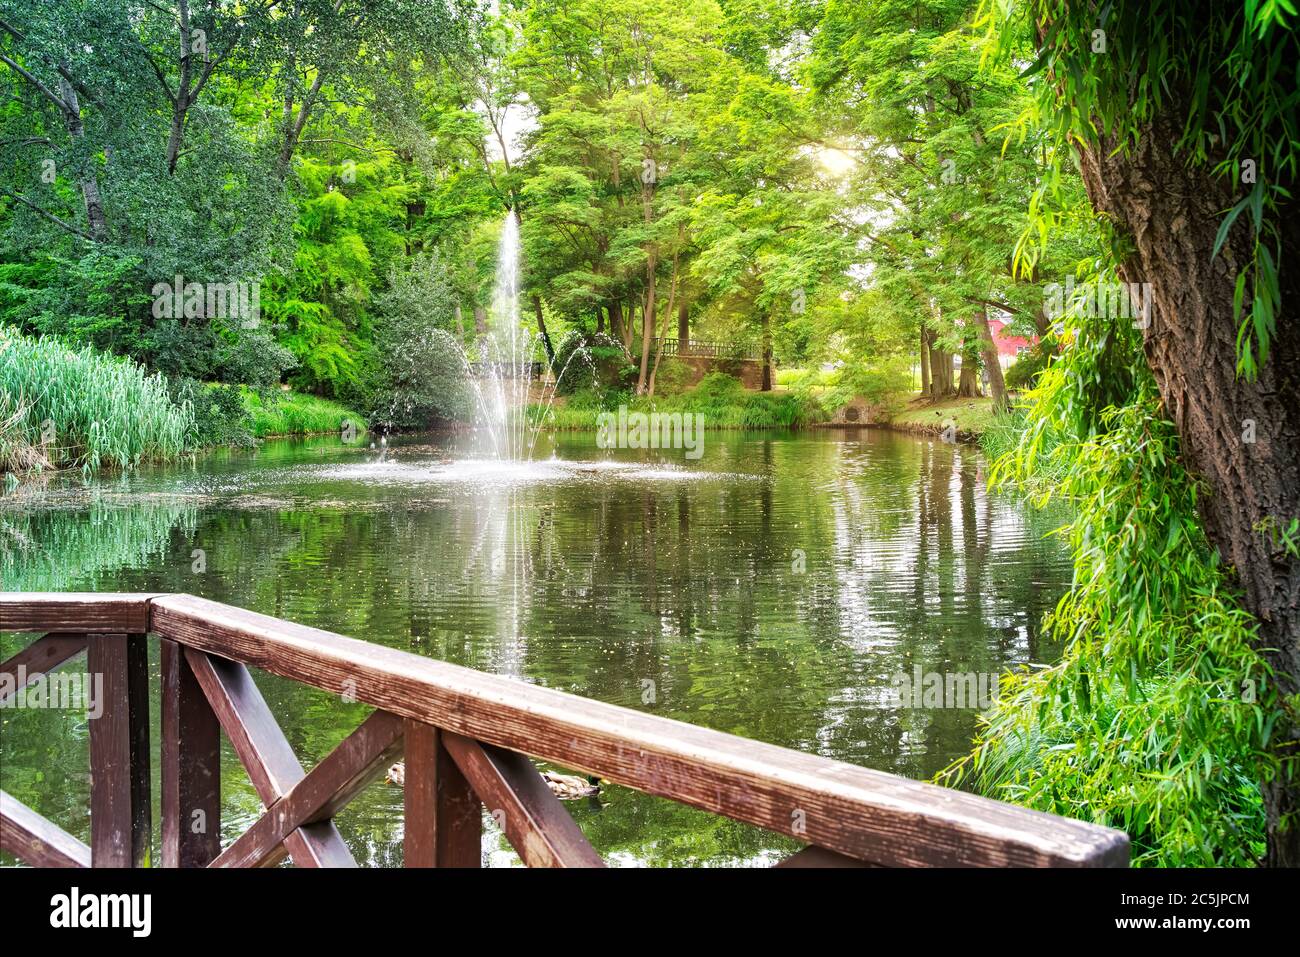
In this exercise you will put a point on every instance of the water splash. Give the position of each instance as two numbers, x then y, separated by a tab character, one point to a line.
513	371
512	379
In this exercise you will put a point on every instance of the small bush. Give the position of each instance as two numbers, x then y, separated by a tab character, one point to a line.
1024	372
585	363
220	417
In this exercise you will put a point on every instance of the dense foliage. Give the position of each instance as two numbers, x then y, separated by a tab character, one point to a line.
852	188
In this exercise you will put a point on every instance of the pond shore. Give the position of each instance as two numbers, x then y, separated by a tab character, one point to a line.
969	417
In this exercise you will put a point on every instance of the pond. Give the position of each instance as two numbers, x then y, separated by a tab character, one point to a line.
773	588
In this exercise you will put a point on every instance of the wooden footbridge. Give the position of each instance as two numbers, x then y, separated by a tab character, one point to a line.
467	737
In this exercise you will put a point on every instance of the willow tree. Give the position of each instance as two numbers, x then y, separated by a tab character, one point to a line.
1182	118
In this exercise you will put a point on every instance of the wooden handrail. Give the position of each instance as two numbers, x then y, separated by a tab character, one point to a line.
707	349
854	812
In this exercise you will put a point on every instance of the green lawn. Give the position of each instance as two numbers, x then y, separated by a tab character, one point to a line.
970	416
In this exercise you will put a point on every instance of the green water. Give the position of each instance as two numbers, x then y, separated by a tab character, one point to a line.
770	589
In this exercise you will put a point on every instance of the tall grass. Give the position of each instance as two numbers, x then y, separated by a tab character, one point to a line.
296	413
84	409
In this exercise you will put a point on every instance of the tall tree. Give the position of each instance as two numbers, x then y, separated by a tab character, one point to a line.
1182	118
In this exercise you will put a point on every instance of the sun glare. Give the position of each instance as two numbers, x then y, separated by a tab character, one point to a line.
834	161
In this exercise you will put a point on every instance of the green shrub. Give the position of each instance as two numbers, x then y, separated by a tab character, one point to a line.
220	417
584	363
1024	372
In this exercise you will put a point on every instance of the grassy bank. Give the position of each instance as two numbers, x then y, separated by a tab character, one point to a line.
970	417
296	413
720	399
63	407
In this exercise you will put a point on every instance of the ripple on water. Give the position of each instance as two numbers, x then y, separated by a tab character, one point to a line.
497	472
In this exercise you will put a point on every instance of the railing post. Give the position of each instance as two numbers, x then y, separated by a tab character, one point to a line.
191	766
119	751
444	825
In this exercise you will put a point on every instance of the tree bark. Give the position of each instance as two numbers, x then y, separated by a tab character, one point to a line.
997	385
968	386
616	319
541	328
940	368
683	327
1173	214
647	324
668	311
96	219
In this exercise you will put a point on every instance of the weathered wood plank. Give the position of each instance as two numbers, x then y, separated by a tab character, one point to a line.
34	840
357	761
535	822
120	817
191	766
820	857
85	612
869	815
41	656
443	816
264	751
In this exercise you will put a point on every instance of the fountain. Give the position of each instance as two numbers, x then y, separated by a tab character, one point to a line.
513	383
506	374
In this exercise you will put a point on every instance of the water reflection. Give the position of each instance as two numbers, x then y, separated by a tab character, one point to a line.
771	589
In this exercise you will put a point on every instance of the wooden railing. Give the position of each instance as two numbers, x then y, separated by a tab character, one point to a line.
466	736
707	350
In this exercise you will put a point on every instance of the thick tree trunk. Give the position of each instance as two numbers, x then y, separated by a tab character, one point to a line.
968	386
940	369
1173	214
600	320
997	385
181	101
683	328
616	320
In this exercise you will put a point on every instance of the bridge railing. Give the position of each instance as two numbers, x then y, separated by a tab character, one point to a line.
467	737
701	348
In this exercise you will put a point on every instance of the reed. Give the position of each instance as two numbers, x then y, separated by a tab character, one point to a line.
68	407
